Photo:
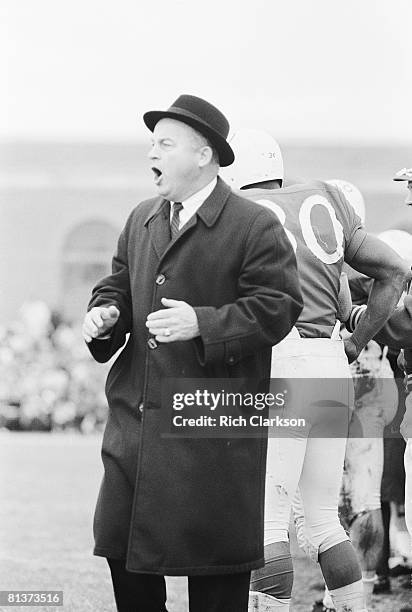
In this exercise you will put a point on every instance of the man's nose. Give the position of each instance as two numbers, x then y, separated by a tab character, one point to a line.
153	152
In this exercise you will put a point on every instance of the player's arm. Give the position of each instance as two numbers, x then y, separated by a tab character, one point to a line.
390	273
397	331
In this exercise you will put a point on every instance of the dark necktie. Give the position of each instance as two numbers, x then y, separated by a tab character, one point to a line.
174	224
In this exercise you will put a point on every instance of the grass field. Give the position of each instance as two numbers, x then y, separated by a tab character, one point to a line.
48	488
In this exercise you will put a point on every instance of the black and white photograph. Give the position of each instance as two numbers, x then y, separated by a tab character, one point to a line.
206	306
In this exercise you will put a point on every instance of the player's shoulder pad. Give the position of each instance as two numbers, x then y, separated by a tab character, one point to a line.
318	186
310	185
314	187
248	207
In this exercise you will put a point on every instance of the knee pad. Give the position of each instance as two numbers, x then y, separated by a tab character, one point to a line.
314	544
335	536
276	578
304	543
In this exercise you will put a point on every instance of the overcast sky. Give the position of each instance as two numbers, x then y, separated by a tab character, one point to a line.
313	69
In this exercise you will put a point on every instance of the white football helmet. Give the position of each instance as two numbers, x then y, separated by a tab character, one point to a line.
257	158
352	194
400	241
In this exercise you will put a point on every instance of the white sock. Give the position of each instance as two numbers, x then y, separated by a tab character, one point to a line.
260	602
368	579
349	598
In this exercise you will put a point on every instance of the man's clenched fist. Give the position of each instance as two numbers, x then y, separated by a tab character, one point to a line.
98	321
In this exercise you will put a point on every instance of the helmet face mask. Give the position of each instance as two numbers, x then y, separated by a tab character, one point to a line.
352	194
258	158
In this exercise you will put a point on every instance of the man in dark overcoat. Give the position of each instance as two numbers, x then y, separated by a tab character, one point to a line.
205	282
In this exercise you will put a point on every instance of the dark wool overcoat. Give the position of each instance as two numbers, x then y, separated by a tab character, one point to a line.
187	506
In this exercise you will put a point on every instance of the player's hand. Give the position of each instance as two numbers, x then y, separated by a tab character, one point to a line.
406	425
351	350
98	321
177	321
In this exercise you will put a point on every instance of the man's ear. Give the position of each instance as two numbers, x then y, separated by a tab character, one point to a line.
205	156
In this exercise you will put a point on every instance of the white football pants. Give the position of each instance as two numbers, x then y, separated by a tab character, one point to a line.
302	470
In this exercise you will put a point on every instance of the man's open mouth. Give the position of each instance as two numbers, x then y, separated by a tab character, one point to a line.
157	175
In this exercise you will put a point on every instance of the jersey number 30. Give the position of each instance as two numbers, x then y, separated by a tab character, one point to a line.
308	232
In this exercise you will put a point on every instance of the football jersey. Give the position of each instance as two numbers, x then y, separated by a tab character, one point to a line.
325	231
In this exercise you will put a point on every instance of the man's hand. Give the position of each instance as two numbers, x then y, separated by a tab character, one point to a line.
98	321
178	321
351	350
406	425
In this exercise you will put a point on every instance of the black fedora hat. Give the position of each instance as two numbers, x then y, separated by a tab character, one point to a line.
203	117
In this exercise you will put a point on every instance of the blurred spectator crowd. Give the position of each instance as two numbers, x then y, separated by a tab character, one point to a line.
48	380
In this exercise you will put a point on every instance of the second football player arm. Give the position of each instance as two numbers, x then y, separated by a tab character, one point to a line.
390	273
397	331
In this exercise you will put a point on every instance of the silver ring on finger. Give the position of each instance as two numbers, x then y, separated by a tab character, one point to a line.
167	332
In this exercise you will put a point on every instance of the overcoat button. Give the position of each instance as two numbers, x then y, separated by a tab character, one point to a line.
160	279
140	407
151	343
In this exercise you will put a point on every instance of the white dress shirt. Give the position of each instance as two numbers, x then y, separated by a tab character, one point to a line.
192	204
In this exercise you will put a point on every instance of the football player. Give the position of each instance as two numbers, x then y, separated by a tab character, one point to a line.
397	333
325	232
376	400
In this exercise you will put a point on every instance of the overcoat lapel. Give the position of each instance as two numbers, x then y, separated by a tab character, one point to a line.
158	221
